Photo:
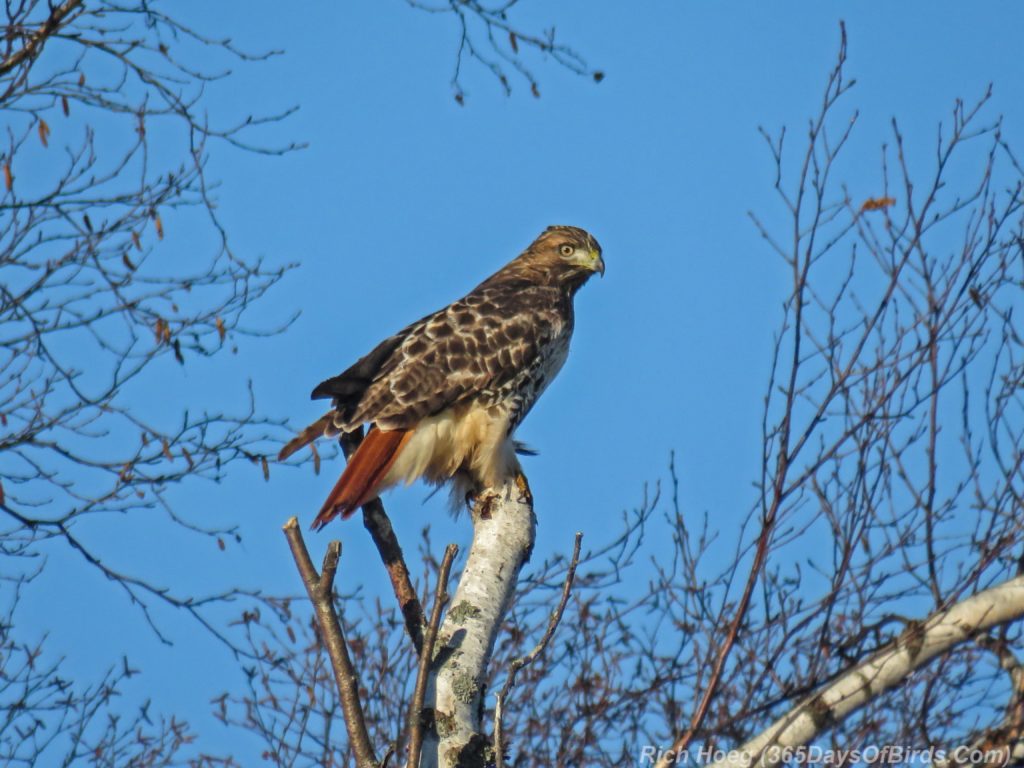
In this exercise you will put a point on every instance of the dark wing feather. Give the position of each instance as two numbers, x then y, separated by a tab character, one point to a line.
476	347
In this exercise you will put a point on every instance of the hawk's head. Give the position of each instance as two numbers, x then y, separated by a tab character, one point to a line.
568	255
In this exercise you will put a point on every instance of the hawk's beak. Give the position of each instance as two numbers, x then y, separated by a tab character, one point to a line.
598	262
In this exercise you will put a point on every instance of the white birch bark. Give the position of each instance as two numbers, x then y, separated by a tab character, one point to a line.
886	669
503	536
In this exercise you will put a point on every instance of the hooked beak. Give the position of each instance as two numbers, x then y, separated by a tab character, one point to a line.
598	262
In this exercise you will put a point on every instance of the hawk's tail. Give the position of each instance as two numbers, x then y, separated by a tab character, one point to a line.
363	475
319	428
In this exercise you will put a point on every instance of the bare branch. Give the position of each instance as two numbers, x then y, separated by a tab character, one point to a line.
488	37
884	670
33	44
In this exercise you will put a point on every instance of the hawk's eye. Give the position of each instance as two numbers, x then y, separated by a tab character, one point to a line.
567	250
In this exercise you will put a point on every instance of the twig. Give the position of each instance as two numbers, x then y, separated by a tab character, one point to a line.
376	521
320	588
1001	741
523	661
426	657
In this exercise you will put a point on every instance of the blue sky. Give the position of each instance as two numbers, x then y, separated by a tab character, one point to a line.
404	200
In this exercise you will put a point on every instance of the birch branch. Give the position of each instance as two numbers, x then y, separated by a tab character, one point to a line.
504	528
881	672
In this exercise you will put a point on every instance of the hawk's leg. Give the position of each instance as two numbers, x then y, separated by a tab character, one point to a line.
482	502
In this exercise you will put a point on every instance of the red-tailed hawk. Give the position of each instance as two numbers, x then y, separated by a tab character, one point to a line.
444	395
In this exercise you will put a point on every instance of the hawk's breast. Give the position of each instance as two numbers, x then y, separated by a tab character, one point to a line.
518	395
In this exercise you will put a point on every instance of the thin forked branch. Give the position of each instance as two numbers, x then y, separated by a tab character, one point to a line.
320	588
416	723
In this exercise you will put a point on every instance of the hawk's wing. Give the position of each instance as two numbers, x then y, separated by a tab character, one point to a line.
478	345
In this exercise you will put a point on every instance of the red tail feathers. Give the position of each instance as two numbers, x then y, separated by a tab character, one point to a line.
362	477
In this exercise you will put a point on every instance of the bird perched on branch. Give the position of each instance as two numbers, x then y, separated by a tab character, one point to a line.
444	395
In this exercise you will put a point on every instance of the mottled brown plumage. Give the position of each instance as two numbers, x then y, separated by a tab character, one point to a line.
444	395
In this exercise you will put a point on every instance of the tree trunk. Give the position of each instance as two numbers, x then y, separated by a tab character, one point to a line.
504	528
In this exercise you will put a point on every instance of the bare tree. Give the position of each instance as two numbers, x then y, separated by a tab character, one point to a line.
48	718
898	352
104	150
105	139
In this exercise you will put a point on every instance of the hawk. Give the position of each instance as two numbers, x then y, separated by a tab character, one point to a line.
444	395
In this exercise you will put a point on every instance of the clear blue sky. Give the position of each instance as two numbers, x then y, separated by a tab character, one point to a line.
404	200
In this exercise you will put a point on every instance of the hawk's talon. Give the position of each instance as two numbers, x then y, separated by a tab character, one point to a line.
525	495
484	503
